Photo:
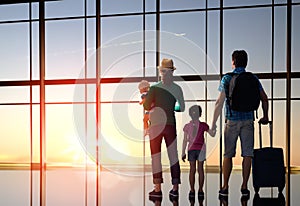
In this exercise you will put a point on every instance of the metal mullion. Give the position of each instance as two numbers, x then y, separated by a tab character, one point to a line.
157	36
42	102
85	104
98	108
31	122
221	74
206	28
272	60
288	101
144	74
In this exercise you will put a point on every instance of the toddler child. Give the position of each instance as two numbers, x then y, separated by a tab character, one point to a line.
144	88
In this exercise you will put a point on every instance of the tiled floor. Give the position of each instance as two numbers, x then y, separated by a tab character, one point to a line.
75	187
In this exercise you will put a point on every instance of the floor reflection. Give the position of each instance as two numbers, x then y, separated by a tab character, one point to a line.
131	190
266	196
256	201
193	202
224	201
269	201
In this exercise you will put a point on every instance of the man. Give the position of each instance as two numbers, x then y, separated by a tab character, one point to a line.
237	124
161	101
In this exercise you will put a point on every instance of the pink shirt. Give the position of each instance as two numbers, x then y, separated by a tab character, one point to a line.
196	142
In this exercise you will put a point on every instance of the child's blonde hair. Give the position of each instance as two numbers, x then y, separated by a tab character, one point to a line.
143	84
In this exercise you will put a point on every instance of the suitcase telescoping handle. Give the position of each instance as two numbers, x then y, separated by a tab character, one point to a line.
271	134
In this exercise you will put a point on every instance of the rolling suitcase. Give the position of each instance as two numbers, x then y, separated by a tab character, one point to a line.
268	165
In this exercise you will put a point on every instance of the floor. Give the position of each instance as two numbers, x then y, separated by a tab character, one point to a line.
127	188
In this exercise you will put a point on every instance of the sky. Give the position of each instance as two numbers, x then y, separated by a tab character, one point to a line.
121	49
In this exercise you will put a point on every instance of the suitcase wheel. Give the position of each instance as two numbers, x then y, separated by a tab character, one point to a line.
280	189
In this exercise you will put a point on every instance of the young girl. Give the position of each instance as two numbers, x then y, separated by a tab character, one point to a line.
194	135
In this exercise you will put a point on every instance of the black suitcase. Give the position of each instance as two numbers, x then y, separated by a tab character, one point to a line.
268	165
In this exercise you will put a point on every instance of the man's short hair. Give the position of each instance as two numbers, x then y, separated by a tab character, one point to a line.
240	58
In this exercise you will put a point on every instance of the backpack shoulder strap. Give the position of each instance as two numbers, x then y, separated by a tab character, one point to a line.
229	89
231	84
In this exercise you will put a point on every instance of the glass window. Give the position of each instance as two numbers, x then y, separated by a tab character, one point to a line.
183	43
36	94
122	134
35	10
150	5
213	45
120	6
64	49
248	29
14	51
245	2
16	94
84	123
35	133
279	126
212	143
280	1
35	51
150	45
295	132
65	93
213	4
63	144
11	12
295	39
120	92
65	8
15	134
295	92
121	50
212	90
266	84
192	90
90	63
279	88
280	39
179	5
91	7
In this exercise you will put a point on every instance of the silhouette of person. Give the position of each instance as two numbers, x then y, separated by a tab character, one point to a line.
161	99
238	124
194	135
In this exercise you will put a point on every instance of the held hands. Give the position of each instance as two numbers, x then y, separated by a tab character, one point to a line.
213	127
183	157
213	130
